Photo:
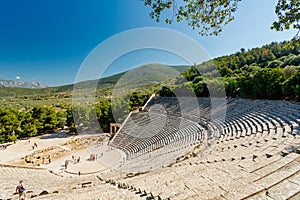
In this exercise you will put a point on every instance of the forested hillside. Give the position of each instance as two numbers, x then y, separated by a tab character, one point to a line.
269	72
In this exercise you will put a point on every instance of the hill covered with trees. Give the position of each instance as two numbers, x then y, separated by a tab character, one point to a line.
269	72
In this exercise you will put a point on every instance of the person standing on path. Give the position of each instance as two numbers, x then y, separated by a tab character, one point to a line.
20	189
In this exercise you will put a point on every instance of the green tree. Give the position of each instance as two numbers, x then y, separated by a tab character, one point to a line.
106	116
246	85
210	16
200	89
29	130
231	87
120	108
81	116
292	60
225	71
61	119
136	100
191	73
51	121
166	92
70	120
290	87
39	115
216	87
45	119
290	70
288	15
267	83
275	63
9	123
28	126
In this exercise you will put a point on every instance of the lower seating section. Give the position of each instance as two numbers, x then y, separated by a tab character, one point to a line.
258	171
36	180
96	191
41	184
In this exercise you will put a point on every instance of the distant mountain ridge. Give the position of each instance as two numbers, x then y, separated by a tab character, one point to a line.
20	84
106	81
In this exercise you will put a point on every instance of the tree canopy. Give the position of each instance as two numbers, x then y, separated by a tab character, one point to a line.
210	16
269	72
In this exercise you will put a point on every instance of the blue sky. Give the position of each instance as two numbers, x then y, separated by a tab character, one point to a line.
48	40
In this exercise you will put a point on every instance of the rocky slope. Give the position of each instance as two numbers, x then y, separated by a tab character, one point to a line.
20	84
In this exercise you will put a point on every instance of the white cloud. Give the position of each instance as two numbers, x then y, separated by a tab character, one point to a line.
18	77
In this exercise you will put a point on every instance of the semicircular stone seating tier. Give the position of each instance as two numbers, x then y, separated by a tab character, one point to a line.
254	155
245	120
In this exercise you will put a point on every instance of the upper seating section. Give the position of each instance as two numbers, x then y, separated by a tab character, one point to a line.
159	123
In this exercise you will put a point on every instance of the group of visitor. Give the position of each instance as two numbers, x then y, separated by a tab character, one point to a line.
74	160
